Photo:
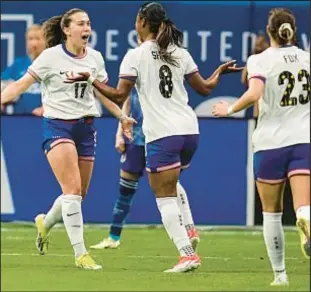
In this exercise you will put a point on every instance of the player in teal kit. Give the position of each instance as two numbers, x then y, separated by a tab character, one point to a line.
132	167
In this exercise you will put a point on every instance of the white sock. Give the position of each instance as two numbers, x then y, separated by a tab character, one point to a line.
303	212
274	239
184	207
55	213
73	221
174	226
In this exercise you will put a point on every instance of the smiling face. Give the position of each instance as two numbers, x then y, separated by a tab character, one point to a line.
79	29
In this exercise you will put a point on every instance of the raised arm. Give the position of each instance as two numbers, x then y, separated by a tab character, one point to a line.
16	88
205	86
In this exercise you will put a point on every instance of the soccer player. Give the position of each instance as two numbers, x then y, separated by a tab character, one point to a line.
30	101
159	67
279	78
69	131
132	167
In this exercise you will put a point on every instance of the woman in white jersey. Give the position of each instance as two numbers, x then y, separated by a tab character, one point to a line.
69	132
279	78
159	67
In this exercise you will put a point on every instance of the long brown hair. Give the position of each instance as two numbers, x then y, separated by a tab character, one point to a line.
282	26
53	27
165	30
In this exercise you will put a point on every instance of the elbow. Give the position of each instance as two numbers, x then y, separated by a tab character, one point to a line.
120	98
204	91
254	96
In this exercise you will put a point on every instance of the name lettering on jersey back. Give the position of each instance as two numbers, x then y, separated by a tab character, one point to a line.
155	55
291	58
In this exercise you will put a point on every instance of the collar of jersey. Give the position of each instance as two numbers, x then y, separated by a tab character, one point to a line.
286	46
71	54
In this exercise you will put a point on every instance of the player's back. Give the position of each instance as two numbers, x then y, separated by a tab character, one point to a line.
162	95
284	112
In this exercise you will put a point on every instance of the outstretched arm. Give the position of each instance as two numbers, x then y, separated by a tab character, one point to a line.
117	95
252	95
16	88
205	86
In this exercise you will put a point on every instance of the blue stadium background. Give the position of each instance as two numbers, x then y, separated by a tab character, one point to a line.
219	183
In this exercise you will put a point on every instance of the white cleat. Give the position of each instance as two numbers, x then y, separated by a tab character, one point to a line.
106	243
280	280
185	264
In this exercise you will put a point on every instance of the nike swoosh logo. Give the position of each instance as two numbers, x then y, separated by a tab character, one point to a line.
72	214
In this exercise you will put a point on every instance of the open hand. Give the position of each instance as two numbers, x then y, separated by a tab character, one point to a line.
220	109
82	76
127	126
229	67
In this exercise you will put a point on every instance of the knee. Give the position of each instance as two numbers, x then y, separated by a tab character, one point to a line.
165	190
72	186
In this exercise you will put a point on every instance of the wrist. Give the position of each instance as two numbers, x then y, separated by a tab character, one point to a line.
230	111
122	117
91	79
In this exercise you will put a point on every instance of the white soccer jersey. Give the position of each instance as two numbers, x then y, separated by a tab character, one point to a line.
161	91
284	109
67	101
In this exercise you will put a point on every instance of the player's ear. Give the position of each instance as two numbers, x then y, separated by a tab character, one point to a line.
66	31
144	22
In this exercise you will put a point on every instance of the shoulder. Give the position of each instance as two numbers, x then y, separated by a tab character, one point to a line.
132	55
263	59
304	54
50	52
134	51
183	51
93	52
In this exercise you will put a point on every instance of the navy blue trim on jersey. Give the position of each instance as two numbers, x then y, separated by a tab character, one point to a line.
71	54
287	46
263	79
131	78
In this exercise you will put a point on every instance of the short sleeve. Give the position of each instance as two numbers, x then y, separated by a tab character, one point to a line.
255	68
41	66
190	66
102	74
129	66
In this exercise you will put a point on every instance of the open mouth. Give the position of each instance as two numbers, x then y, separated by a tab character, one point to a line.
85	37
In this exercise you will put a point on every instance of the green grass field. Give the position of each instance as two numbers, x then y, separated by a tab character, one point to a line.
231	261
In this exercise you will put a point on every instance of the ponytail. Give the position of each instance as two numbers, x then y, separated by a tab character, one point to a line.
164	30
53	32
168	34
